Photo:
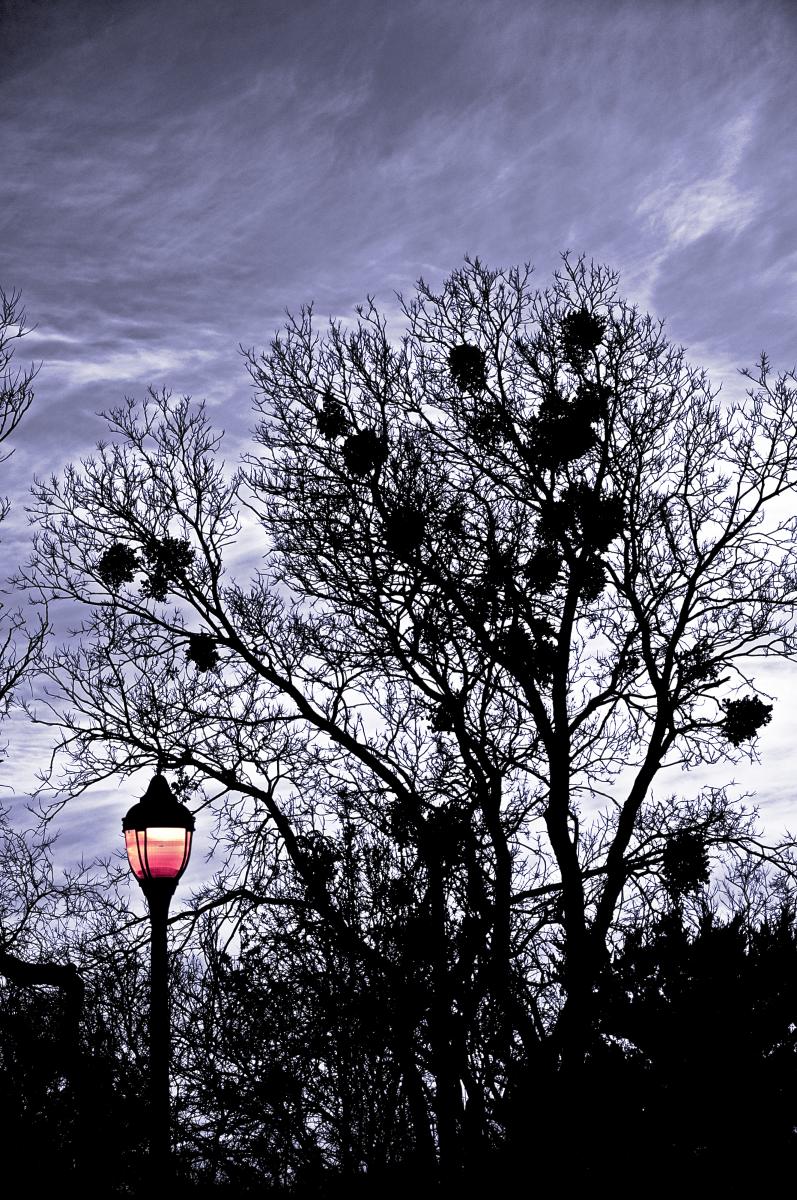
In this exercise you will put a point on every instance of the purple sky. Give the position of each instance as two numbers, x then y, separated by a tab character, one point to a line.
174	174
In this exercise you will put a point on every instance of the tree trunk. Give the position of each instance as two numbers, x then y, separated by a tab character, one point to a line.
448	1092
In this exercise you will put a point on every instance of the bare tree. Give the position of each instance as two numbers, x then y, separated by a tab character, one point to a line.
514	565
27	888
19	646
38	909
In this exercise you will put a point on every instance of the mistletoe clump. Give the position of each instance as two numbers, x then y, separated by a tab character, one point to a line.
599	516
405	527
447	828
364	452
684	863
591	520
518	646
591	577
321	855
563	429
453	520
500	568
581	332
118	565
543	567
486	423
468	367
744	718
533	649
167	560
697	665
444	718
331	418
202	651
592	400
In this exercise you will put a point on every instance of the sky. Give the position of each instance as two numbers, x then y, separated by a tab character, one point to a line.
175	174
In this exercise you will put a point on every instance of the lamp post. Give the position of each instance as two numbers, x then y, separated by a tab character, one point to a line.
158	832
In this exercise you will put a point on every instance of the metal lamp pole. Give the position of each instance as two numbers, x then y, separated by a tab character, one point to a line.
158	833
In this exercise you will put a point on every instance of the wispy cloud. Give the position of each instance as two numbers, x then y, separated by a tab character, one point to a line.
689	206
137	364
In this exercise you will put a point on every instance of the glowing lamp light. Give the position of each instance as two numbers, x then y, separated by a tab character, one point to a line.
158	853
158	832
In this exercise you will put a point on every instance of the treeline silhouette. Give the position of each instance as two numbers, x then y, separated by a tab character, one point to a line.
288	1079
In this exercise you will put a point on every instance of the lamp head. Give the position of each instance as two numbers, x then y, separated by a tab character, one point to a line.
158	833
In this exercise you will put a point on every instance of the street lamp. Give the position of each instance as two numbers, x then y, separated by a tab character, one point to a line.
158	832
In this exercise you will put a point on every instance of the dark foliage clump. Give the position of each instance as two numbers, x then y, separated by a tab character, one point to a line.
685	1010
331	418
591	577
405	527
582	332
167	560
447	828
685	865
118	565
695	665
500	567
600	517
486	422
202	651
590	521
744	718
558	442
562	431
364	452
518	645
443	718
453	520
534	649
543	567
468	367
592	400
321	856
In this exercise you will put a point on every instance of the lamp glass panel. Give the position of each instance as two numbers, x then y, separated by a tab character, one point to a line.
158	853
134	844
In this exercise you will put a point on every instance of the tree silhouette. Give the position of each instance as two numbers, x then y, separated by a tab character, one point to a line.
692	1011
19	645
515	564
